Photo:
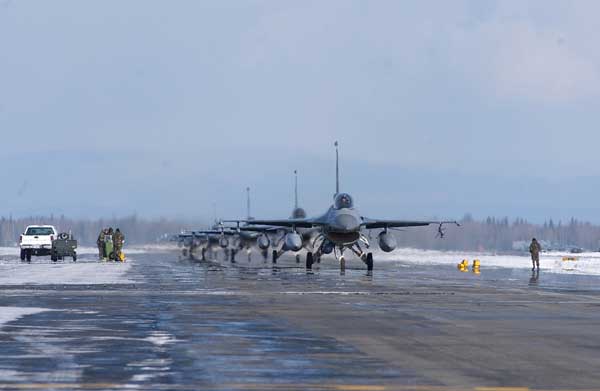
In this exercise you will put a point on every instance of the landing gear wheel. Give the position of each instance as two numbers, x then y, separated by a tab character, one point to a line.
203	254
319	259
274	256
232	256
369	261
309	260
297	258
342	263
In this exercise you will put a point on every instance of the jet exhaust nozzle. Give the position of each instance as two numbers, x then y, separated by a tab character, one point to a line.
293	242
387	242
263	242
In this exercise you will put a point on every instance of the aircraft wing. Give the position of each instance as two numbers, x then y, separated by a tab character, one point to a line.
200	233
259	229
375	223
301	223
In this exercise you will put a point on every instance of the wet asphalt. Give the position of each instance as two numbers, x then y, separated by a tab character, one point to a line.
188	325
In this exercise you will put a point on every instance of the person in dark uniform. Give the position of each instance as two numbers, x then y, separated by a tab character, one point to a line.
118	242
535	248
100	243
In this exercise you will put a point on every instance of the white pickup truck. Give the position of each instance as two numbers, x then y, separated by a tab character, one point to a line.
37	240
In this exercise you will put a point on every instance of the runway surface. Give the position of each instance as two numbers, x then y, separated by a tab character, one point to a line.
158	322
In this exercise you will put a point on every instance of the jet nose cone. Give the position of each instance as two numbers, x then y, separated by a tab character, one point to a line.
346	223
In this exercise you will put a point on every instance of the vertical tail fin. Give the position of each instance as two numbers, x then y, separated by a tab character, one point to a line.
337	170
248	202
295	189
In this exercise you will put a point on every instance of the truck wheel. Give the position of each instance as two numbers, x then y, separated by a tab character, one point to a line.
22	255
74	257
28	255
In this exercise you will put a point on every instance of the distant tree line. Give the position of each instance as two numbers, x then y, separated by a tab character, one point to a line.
502	234
137	230
490	234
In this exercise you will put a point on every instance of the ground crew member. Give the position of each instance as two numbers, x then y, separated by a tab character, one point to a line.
534	249
118	241
108	244
100	243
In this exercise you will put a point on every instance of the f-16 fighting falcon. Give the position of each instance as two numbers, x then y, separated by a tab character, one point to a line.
339	229
206	240
307	234
247	236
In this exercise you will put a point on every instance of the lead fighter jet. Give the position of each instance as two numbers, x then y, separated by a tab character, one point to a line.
340	229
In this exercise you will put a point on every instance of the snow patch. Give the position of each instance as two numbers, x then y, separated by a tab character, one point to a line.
9	314
72	273
585	263
160	338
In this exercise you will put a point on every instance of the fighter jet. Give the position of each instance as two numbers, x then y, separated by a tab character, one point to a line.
307	234
339	229
248	236
204	240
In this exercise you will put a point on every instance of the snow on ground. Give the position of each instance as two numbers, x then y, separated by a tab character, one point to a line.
67	273
9	314
142	249
584	263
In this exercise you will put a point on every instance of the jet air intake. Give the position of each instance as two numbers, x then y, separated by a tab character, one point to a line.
263	242
327	247
293	242
223	242
387	242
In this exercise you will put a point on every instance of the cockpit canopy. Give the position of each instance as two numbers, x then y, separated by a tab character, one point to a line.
298	213
343	200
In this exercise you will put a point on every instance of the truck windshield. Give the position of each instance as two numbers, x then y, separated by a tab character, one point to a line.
33	231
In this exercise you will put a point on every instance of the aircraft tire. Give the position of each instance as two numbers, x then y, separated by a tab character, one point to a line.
309	260
274	256
297	258
369	261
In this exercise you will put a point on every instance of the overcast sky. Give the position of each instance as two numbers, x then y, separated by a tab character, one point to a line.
165	108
